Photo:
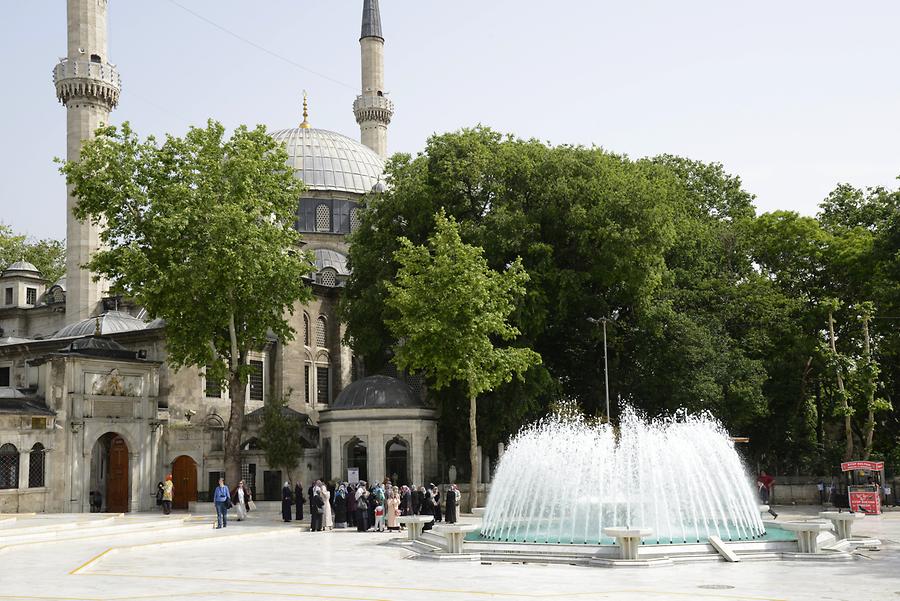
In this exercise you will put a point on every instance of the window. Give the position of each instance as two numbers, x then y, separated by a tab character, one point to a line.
38	423
4	376
256	380
36	466
9	466
58	295
323	384
216	427
31	296
320	331
7	297
328	277
306	382
306	329
323	218
354	219
213	388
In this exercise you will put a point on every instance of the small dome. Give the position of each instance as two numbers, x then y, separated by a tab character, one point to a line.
22	268
110	323
377	392
326	160
61	282
331	258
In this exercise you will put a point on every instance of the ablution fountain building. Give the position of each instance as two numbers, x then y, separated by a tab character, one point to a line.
87	400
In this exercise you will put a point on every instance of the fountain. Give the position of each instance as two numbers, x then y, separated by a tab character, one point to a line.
564	480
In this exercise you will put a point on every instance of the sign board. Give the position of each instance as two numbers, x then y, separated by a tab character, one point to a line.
872	466
353	475
865	502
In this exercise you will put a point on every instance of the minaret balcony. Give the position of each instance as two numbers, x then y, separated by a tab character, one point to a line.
373	107
82	78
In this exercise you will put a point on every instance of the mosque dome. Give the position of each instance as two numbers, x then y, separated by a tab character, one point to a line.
326	160
111	322
377	392
22	268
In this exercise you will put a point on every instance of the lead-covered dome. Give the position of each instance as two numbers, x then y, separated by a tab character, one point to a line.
109	323
22	268
326	160
377	392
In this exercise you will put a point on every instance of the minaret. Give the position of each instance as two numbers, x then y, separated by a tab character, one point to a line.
373	111
88	86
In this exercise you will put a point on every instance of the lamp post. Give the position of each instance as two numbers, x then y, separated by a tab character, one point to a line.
594	320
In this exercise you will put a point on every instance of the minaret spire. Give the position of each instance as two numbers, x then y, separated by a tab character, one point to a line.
88	85
373	111
305	124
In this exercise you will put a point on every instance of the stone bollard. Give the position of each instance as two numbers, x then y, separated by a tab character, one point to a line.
414	525
807	534
628	539
842	522
455	535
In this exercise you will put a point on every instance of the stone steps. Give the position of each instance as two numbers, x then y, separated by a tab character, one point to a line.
65	532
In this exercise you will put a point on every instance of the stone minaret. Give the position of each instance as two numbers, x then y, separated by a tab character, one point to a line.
373	111
88	86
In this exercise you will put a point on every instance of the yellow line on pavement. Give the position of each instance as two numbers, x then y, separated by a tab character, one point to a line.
90	561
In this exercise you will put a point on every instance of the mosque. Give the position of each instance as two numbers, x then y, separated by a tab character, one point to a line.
88	403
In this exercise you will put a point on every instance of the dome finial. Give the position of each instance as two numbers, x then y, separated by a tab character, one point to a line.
305	124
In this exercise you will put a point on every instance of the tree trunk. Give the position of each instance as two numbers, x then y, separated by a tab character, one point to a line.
848	430
473	453
234	431
870	391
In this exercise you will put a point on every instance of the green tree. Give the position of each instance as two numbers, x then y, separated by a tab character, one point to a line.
451	308
280	436
199	231
47	254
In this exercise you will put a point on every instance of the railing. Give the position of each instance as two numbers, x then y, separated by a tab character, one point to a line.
85	69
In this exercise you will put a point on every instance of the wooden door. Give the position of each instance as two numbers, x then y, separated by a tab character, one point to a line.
184	477
117	480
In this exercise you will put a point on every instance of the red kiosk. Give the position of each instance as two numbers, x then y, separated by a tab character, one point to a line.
864	480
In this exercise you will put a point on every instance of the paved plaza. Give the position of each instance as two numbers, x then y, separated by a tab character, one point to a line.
149	556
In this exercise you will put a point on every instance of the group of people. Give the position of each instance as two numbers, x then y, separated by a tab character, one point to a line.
365	506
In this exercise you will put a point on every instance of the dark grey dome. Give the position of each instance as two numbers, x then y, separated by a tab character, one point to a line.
377	392
110	323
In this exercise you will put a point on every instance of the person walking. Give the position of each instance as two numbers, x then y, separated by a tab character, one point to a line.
299	500
168	491
160	487
286	501
328	513
241	498
450	513
221	498
764	484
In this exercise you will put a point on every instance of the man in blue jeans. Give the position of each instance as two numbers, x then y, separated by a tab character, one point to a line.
221	497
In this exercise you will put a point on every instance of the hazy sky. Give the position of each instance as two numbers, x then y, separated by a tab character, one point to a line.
791	96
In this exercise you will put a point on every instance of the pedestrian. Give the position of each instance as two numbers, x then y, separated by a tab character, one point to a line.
241	498
299	500
450	513
821	488
406	500
436	496
764	484
222	499
427	506
159	494
340	507
350	505
362	507
416	500
97	500
318	510
393	512
168	491
287	500
328	513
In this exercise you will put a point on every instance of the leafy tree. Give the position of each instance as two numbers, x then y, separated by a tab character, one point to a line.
47	254
451	307
199	231
280	436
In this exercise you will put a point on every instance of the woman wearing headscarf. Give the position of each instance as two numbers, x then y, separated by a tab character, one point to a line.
362	507
405	500
436	497
340	507
240	498
317	512
287	500
328	514
416	498
450	513
427	507
299	500
393	512
168	492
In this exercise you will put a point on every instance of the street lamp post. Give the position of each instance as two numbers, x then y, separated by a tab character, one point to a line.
605	364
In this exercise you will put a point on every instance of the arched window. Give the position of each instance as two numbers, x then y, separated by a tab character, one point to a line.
396	460
356	455
9	466
321	325
306	329
354	219
216	427
323	218
328	277
36	466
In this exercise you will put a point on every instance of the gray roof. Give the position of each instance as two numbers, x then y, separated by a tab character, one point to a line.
331	258
13	340
326	160
377	392
61	282
371	20
22	268
110	323
16	401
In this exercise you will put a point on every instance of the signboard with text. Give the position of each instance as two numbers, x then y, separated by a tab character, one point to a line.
353	475
872	466
865	502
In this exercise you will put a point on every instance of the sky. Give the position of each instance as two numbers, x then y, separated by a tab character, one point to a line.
793	97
